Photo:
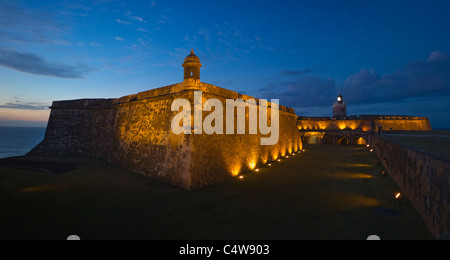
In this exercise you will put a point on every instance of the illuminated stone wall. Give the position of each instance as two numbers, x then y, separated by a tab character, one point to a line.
367	123
230	155
423	178
142	140
134	132
335	137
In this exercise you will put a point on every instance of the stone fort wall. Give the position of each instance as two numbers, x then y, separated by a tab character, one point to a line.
134	132
423	178
365	123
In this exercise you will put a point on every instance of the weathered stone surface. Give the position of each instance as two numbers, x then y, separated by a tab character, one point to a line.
79	127
134	132
335	137
423	178
366	123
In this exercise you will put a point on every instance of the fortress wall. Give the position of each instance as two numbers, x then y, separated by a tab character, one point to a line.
134	132
231	155
423	178
367	125
413	124
79	128
144	143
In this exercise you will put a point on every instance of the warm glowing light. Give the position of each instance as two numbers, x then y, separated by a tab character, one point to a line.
279	160
287	157
236	171
355	176
371	150
257	170
361	141
398	195
357	165
368	145
241	177
252	165
304	150
323	126
269	165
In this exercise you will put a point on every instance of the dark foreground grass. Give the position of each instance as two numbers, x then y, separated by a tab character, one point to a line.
329	192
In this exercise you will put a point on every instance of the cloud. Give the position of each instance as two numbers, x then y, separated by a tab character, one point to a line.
34	64
134	17
123	22
102	2
153	3
163	19
137	18
415	80
25	24
118	38
295	72
307	91
438	56
227	41
143	30
25	106
94	44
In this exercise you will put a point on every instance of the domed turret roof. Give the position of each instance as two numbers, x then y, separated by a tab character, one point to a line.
192	58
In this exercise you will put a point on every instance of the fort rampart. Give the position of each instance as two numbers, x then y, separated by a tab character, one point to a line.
423	178
134	132
365	123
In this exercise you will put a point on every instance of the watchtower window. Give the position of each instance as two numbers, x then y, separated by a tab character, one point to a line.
192	74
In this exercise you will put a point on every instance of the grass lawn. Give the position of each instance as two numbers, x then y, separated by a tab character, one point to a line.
328	192
437	142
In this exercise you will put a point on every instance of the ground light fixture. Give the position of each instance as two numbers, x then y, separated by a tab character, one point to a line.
399	197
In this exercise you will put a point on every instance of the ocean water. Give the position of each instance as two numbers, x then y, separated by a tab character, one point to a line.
17	141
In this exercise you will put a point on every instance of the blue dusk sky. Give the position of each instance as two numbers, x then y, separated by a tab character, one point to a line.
386	57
